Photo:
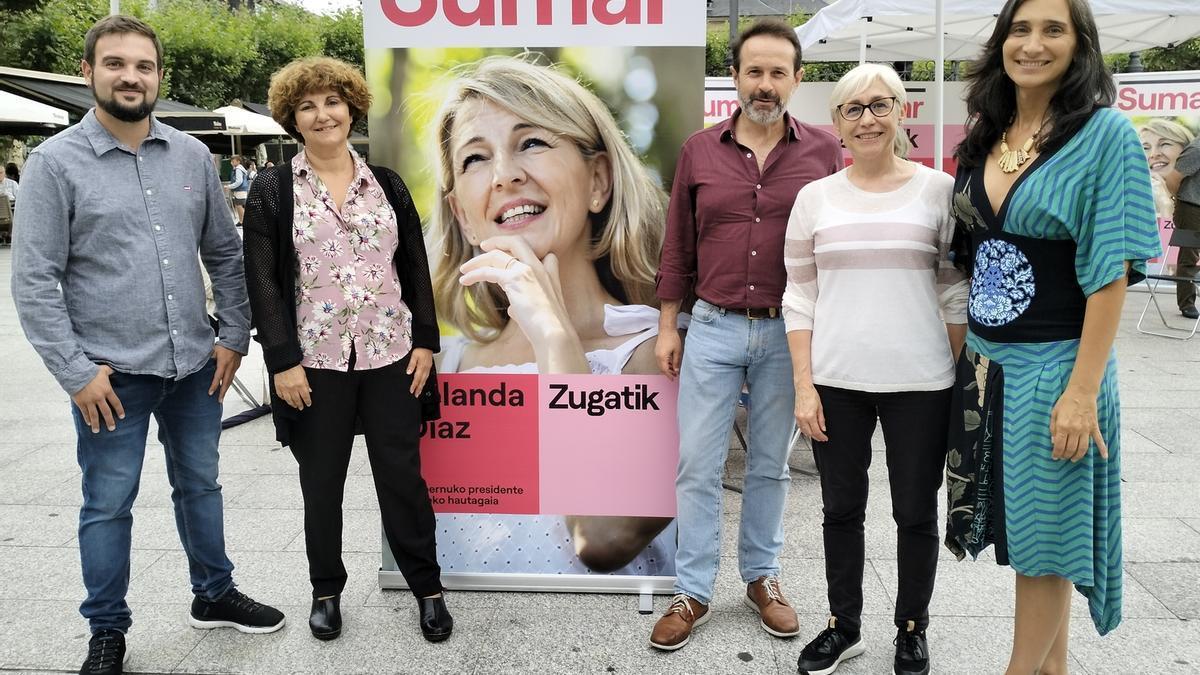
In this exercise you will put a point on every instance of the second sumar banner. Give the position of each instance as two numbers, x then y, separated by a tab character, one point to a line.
539	140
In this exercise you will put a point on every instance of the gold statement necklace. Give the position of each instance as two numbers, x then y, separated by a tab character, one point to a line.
1011	160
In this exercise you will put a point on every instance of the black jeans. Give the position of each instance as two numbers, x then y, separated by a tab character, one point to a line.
321	440
915	427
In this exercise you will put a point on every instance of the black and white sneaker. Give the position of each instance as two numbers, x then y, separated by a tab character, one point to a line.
912	652
106	653
823	655
235	610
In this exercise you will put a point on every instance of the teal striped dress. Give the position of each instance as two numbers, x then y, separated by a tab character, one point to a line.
1061	518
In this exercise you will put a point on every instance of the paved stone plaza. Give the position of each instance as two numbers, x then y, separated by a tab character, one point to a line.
558	633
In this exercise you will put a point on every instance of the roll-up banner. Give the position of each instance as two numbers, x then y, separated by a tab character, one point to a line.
539	141
1165	109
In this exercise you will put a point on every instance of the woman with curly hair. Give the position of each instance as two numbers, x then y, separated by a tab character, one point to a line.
342	300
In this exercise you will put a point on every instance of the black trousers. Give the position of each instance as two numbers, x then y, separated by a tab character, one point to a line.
1187	217
915	427
321	440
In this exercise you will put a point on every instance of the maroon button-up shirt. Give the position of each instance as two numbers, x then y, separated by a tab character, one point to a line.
726	221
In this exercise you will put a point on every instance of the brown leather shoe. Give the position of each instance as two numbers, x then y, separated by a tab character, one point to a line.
674	628
765	597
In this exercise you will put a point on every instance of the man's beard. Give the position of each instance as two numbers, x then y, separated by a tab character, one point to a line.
763	117
125	113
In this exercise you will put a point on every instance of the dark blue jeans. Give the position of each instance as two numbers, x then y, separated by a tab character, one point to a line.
189	427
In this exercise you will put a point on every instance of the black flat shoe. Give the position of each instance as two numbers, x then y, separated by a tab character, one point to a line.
325	621
1189	312
436	622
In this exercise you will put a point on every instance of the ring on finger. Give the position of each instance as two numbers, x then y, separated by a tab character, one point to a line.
510	263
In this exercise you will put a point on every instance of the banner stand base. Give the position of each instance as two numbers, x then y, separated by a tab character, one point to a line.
646	604
646	587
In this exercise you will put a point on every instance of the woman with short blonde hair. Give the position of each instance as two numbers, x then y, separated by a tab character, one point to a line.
1163	140
867	249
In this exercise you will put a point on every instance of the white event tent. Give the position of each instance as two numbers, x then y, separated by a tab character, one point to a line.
26	114
239	121
941	30
247	128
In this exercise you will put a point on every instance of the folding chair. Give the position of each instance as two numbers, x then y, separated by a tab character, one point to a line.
1179	239
237	385
6	222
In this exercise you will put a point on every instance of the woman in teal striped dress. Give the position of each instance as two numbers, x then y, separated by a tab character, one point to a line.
1055	218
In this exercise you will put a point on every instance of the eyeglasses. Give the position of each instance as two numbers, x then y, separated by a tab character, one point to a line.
879	108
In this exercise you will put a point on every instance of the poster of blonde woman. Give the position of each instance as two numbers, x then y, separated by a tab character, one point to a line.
541	174
1165	109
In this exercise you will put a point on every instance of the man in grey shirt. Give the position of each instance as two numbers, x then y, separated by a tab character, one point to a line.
1187	217
107	285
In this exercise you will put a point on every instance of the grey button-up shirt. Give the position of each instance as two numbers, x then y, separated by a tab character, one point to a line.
105	265
1188	164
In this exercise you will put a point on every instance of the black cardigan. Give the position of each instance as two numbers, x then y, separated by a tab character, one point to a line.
271	270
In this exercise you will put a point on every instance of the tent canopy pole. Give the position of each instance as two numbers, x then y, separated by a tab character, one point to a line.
939	68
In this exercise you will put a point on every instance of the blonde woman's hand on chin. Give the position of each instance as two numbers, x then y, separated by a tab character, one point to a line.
535	300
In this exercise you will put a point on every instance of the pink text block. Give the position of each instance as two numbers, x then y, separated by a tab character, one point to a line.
609	445
482	455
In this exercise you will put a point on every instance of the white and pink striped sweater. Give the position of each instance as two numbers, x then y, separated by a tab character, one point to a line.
868	274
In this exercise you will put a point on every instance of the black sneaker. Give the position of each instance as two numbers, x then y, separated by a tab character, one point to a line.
912	652
830	648
1189	312
106	653
235	610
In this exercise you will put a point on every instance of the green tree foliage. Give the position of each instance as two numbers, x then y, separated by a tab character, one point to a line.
279	34
1184	56
213	54
342	36
206	48
48	37
716	52
717	57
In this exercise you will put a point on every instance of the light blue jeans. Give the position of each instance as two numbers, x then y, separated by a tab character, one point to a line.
189	427
723	350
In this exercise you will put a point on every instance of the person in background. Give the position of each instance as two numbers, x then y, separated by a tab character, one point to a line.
343	304
107	285
1054	218
867	247
10	185
734	186
1187	217
239	186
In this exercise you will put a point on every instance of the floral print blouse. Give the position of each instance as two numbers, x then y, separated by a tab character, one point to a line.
347	292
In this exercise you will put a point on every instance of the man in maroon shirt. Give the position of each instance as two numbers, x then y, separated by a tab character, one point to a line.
734	189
